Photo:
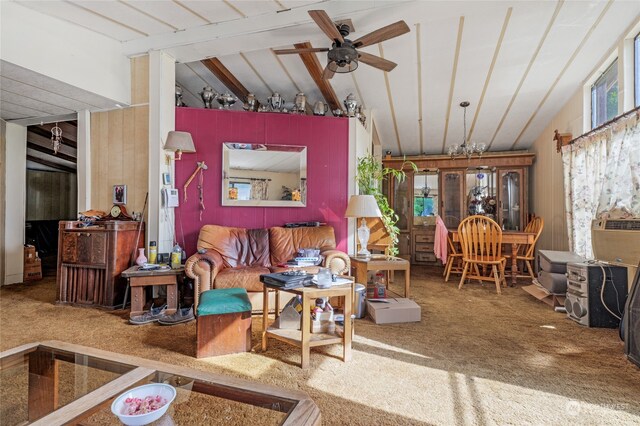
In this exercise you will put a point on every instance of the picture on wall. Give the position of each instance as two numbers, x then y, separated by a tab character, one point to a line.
119	194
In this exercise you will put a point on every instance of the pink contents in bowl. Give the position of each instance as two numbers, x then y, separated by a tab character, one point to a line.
137	406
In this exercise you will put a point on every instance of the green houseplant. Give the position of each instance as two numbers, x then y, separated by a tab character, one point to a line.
369	176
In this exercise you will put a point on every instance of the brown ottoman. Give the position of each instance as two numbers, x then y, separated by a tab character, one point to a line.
224	322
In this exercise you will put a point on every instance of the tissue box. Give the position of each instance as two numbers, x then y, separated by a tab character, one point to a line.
389	311
323	323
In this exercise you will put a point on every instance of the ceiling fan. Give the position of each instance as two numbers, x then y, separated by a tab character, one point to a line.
343	55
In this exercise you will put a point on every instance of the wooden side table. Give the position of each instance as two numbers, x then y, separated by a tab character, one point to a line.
303	338
362	265
139	279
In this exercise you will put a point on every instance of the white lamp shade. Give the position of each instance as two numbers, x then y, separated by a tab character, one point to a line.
363	206
179	141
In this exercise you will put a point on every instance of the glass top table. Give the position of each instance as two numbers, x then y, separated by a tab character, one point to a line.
50	383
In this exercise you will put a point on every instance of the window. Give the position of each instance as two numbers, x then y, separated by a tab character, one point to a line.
636	69
604	96
244	190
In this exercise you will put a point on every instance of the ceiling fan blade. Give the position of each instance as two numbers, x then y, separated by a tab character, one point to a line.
327	74
326	24
376	61
382	34
305	50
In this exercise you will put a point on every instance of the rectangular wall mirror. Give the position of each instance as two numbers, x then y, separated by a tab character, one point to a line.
264	175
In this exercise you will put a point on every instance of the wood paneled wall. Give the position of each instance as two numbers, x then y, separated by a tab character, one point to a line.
51	195
120	156
120	146
3	201
547	180
139	80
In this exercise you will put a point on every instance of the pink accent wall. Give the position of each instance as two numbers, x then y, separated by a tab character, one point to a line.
327	142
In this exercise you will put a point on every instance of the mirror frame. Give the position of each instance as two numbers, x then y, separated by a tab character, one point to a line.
228	147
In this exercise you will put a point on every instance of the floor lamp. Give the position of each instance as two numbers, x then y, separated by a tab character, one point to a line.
363	206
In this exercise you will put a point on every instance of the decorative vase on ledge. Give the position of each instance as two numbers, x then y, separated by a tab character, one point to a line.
141	259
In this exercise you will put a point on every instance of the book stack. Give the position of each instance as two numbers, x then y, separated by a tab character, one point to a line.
304	261
286	281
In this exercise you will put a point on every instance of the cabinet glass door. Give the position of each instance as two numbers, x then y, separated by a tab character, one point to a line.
511	199
452	198
402	203
425	197
480	187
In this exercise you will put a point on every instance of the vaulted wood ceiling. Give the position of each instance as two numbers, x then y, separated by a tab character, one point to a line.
517	63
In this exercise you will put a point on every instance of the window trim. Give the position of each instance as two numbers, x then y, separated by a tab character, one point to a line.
613	64
636	71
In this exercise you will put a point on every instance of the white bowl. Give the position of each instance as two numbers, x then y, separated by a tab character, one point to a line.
168	392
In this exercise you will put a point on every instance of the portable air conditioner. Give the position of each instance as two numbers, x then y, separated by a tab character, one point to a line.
617	241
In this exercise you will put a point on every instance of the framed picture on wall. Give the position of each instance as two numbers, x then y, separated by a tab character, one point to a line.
119	194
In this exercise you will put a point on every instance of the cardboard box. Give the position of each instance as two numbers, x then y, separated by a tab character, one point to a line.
393	310
540	293
32	271
30	254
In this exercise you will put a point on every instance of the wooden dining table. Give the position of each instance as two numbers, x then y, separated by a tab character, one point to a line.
514	238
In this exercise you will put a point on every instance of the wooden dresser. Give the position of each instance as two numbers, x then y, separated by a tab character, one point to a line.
423	240
90	260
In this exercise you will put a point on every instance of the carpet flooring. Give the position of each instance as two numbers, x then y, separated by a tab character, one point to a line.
475	358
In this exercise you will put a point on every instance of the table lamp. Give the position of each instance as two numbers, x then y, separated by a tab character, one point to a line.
363	206
179	142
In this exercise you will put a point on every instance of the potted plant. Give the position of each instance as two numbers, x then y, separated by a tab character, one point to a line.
369	176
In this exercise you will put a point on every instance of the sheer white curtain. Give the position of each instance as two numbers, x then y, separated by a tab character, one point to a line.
601	179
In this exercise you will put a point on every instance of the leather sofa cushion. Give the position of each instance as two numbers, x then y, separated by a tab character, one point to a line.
237	246
284	243
247	277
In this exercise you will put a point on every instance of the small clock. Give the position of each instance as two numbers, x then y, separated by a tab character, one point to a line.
115	211
119	212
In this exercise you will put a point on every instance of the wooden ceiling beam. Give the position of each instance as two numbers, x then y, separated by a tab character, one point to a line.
44	142
69	129
46	134
51	164
226	77
315	69
49	151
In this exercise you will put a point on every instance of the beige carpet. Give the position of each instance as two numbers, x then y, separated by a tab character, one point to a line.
475	358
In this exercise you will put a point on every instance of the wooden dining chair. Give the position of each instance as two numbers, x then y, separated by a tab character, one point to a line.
481	242
454	259
526	252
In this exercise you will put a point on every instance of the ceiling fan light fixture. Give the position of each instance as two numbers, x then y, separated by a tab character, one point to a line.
343	66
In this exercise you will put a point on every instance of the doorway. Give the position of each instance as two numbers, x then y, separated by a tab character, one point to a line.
51	187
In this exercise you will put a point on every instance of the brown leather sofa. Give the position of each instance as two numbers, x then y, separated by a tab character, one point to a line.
236	257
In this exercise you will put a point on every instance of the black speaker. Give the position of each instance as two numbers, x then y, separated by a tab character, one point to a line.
584	302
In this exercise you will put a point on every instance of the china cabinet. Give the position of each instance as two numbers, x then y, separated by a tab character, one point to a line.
494	185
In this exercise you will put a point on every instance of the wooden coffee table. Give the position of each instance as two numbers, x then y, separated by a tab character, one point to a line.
53	383
361	265
303	338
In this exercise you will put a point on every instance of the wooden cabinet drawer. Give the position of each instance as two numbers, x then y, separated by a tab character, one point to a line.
425	248
84	247
425	238
425	257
